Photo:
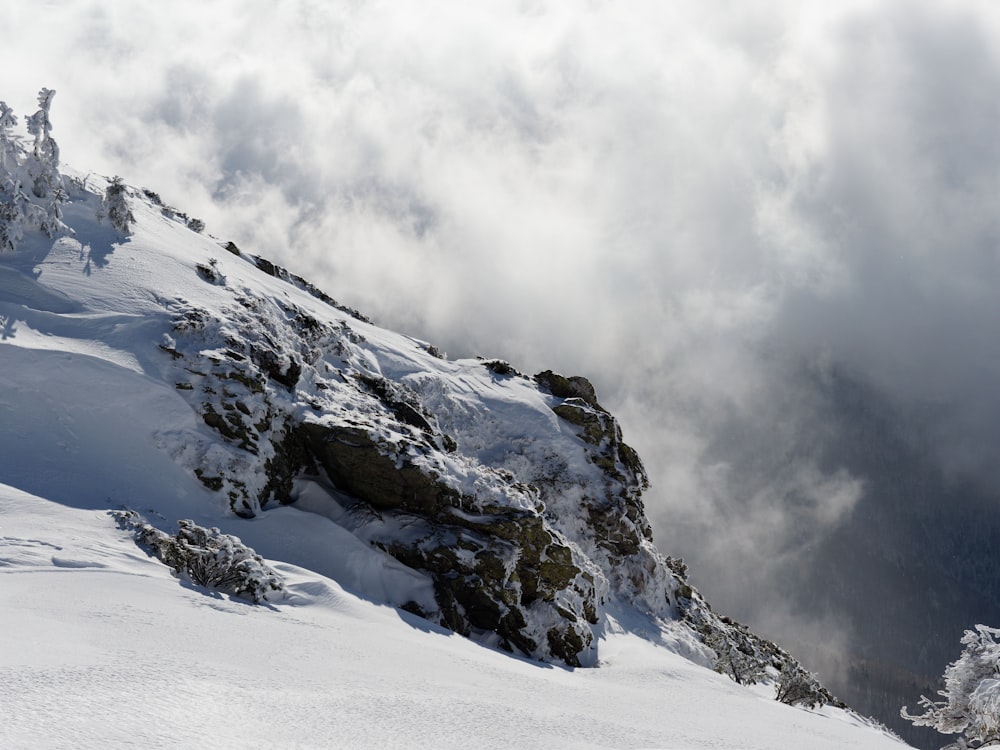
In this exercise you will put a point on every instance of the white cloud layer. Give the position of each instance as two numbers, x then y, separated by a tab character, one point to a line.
691	203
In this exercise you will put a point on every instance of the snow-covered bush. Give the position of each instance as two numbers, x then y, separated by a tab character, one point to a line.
44	167
971	704
31	187
116	206
736	659
208	557
797	687
8	145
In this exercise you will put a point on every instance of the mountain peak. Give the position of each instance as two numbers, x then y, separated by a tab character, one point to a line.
185	378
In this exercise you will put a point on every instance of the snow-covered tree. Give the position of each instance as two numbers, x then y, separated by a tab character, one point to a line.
14	209
735	658
797	687
12	197
116	206
8	146
31	187
45	156
971	705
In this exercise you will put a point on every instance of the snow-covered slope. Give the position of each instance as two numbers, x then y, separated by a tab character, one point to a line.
102	648
160	370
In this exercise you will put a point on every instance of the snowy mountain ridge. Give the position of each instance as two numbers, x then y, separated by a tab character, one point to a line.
146	365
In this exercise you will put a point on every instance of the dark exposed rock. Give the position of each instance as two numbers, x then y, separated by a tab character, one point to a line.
226	428
617	518
500	367
266	266
489	564
359	466
213	483
404	405
595	424
278	272
601	429
483	582
277	368
210	272
575	386
153	197
292	457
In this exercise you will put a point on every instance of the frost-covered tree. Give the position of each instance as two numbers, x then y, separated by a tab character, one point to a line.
14	209
44	164
8	145
31	187
12	198
735	658
796	686
116	206
971	705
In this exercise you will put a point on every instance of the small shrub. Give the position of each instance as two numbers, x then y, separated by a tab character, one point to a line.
153	197
500	367
116	206
736	659
797	687
207	557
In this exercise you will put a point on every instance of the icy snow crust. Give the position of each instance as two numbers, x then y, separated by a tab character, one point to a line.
103	405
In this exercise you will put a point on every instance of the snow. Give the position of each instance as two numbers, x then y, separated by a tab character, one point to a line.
101	645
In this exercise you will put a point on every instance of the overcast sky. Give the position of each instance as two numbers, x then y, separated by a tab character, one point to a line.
689	203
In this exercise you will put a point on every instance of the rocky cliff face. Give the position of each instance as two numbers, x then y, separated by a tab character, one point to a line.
290	395
515	495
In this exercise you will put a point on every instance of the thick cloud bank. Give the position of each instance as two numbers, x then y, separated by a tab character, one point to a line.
714	210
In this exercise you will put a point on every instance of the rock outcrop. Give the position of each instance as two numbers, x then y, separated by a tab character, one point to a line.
516	496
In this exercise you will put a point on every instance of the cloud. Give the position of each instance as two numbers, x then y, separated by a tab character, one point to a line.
692	205
901	193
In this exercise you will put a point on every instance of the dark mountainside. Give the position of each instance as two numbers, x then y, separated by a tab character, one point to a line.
914	566
909	570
